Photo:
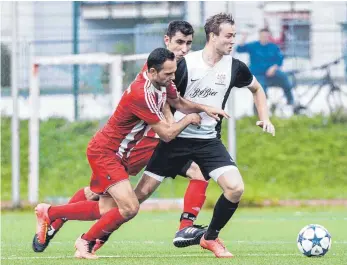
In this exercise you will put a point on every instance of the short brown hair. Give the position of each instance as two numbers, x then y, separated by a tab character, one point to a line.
213	23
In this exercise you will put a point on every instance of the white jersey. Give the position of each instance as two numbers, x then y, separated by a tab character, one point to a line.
210	86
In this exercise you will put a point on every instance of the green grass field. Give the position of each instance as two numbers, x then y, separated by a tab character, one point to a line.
305	153
254	236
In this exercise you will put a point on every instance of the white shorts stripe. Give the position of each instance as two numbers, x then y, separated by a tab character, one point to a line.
155	176
253	81
215	174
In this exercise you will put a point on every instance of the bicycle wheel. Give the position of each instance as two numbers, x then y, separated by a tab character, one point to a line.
337	98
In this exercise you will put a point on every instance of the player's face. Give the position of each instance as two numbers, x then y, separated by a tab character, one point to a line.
166	74
225	41
179	44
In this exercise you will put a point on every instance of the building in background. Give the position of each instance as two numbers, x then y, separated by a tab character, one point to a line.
309	33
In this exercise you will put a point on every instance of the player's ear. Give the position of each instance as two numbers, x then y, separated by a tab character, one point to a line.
152	71
166	40
212	36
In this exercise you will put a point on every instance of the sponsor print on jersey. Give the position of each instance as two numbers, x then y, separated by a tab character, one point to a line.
202	93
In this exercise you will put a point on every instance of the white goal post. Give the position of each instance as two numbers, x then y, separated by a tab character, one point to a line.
116	85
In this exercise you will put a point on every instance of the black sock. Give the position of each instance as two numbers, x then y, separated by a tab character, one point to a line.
105	237
223	211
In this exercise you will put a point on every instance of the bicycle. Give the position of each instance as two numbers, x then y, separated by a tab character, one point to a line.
334	96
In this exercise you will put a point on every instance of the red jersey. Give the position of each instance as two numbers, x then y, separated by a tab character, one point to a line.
140	105
149	132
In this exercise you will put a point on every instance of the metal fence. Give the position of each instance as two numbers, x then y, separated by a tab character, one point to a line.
132	41
58	79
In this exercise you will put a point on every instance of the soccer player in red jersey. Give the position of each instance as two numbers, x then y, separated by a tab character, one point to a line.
178	39
141	105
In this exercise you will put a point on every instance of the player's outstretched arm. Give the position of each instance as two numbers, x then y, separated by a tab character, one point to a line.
261	105
168	132
186	106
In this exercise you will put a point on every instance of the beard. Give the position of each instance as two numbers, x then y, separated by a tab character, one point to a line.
165	83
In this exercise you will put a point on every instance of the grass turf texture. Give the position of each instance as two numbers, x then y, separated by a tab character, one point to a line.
254	236
305	160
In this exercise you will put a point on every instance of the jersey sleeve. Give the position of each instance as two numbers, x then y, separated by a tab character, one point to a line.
244	76
144	107
181	76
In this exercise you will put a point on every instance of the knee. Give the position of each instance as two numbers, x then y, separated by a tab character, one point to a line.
286	84
284	80
234	192
90	196
130	210
194	172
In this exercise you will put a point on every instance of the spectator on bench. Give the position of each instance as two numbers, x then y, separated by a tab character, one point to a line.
265	61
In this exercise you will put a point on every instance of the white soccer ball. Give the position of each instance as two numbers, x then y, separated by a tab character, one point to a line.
314	240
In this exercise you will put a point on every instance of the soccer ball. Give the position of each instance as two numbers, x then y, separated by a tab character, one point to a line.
314	240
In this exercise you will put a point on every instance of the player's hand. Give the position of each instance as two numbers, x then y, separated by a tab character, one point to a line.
267	126
214	112
195	119
271	71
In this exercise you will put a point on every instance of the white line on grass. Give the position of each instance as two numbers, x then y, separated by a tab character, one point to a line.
163	256
150	256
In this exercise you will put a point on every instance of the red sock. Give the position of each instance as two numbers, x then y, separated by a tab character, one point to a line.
108	223
77	197
57	224
194	199
83	211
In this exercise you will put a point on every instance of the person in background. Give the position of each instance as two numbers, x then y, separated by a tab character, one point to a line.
266	60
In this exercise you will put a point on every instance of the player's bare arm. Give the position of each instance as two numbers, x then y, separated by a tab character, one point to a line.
168	132
168	113
261	105
186	106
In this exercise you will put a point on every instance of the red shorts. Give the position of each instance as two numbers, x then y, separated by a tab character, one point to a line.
140	155
107	168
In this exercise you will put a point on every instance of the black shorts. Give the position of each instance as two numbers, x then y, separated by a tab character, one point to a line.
184	169
169	159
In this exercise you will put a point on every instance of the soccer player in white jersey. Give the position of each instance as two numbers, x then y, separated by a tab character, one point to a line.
207	76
